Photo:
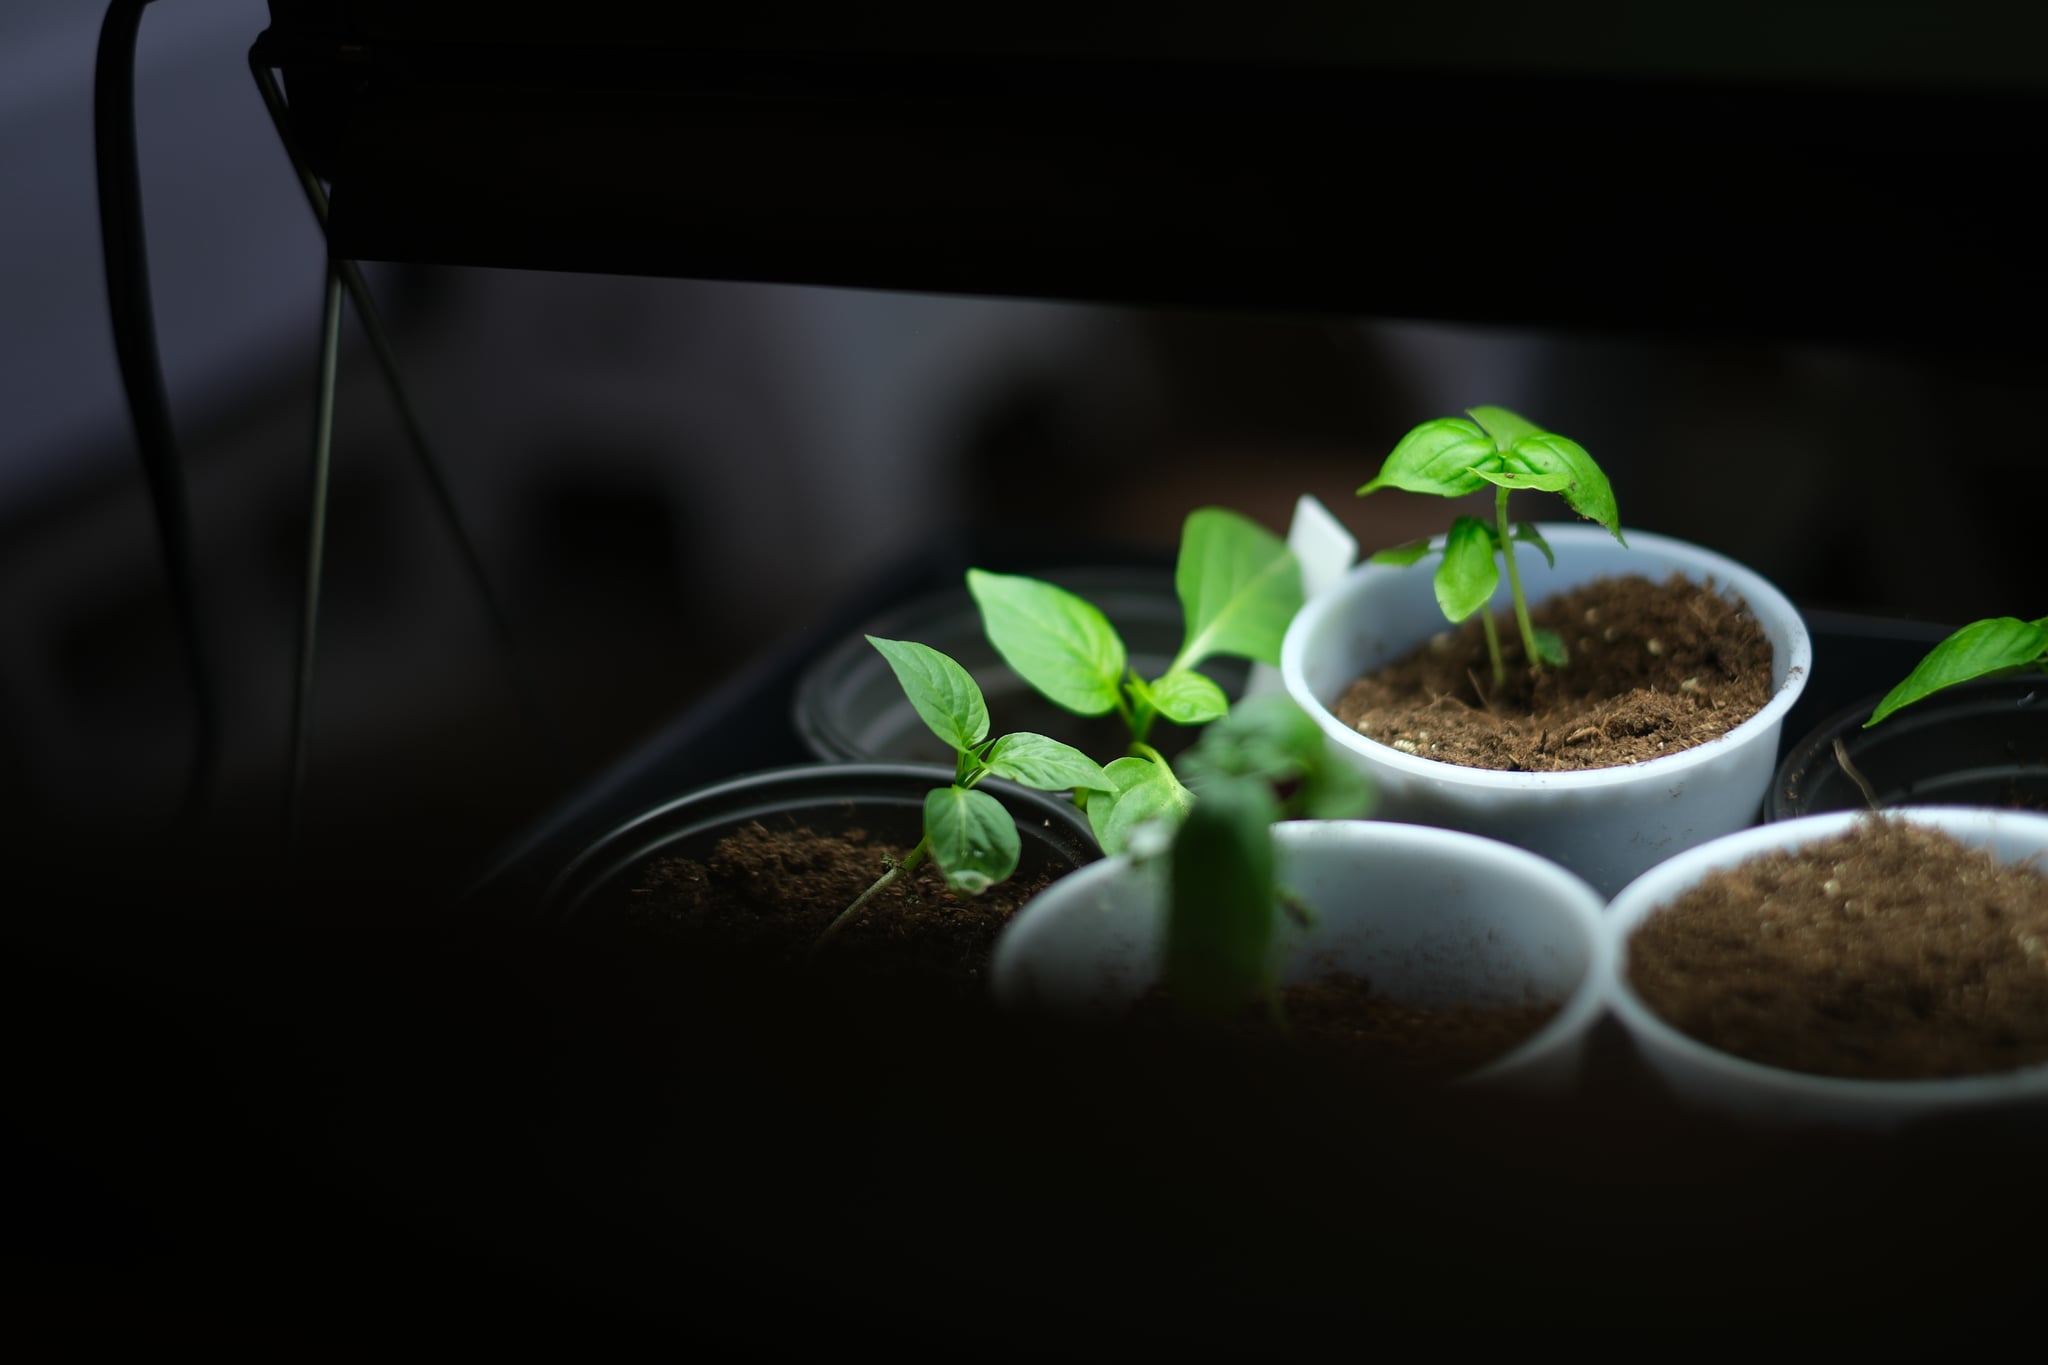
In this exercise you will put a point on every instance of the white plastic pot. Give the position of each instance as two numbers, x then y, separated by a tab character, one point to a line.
1606	824
1429	916
1771	1097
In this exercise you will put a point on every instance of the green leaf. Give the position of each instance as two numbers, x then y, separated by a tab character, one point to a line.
1436	458
1977	650
1517	480
1401	554
941	691
1529	535
1586	488
1145	791
1239	587
1059	643
1222	900
1269	737
1186	697
1550	648
1332	789
973	839
1044	763
1466	579
1505	427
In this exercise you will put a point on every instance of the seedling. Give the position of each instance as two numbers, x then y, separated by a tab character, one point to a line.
1451	457
968	833
1264	762
1996	646
1239	586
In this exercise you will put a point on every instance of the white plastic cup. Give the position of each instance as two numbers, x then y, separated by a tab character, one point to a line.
1429	916
1773	1097
1606	824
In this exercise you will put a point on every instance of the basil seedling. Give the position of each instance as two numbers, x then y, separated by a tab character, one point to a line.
1264	762
968	833
1451	457
1993	647
1239	587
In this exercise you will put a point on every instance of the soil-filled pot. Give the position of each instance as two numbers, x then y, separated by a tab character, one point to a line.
849	706
1841	970
1606	823
1456	932
753	869
1976	744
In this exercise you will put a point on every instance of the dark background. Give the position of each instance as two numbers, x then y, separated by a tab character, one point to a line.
668	480
667	477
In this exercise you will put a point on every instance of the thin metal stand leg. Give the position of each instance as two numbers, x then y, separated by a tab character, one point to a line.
316	552
380	345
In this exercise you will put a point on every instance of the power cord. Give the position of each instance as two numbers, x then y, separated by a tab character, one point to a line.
127	271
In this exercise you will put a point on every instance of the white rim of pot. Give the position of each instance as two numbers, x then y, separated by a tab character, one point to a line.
1764	600
1565	890
1902	1098
1450	849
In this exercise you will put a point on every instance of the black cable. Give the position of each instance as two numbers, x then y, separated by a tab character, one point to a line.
127	270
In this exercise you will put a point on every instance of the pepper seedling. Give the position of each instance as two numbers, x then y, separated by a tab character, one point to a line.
967	832
1451	457
1239	586
1993	647
1264	762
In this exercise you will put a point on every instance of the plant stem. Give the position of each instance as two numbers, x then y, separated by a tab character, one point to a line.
1507	554
1862	783
1276	1014
1138	720
910	863
1500	668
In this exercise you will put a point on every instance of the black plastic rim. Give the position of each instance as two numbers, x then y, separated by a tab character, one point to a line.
887	799
1979	744
849	708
